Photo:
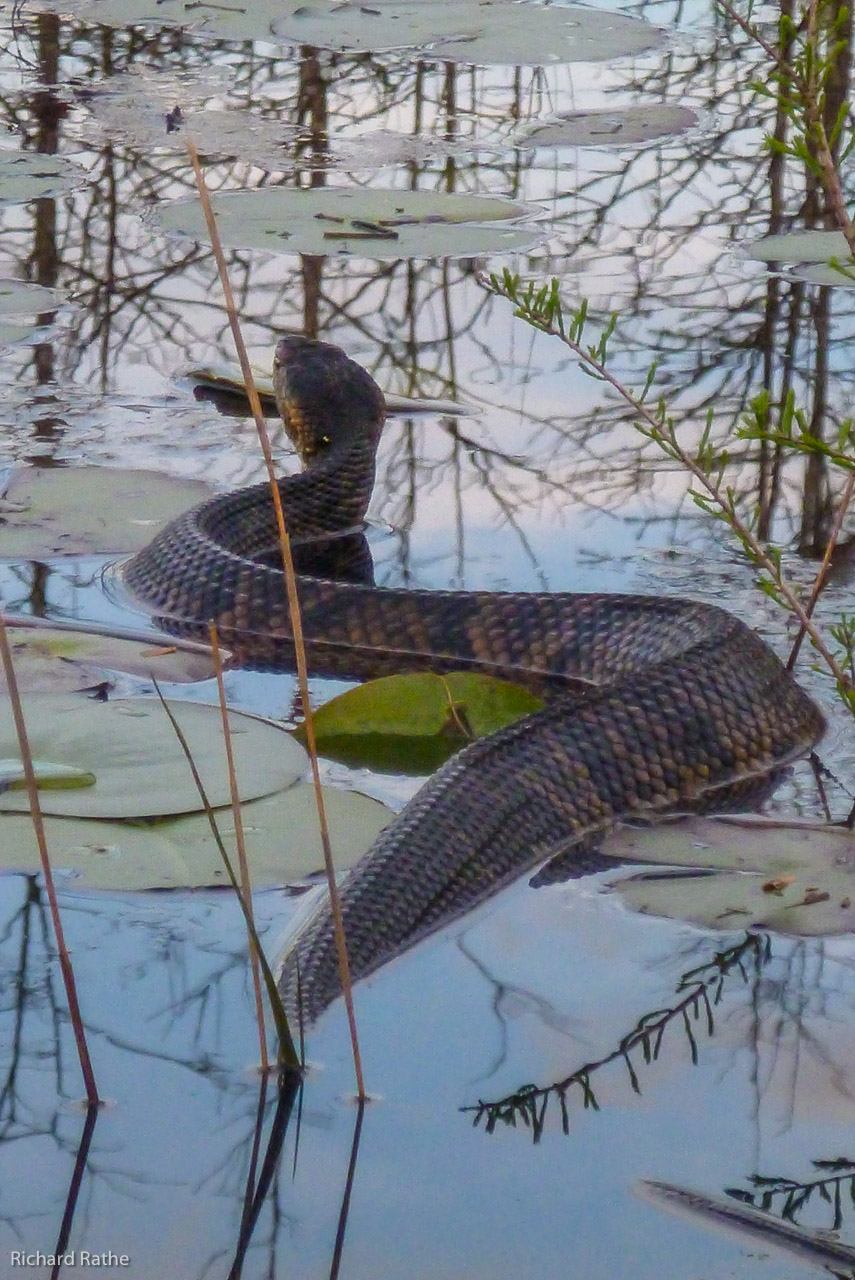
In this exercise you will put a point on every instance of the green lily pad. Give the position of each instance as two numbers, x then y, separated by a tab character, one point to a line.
140	769
811	254
413	723
281	833
471	31
617	127
793	879
27	175
20	298
21	306
50	660
49	777
368	223
83	510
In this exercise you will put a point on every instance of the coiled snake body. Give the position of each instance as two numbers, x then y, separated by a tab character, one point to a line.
655	704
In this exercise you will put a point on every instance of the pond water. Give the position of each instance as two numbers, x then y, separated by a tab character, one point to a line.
541	484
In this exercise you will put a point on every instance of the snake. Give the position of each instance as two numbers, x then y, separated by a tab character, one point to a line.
652	704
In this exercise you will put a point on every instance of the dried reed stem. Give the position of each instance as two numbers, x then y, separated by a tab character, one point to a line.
293	605
240	842
39	829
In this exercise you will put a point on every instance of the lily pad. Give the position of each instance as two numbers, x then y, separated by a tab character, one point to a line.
811	254
21	307
368	223
20	298
796	879
618	127
48	776
472	31
27	175
50	660
281	834
82	510
413	723
140	769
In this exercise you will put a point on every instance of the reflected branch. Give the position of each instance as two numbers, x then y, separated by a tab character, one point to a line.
700	989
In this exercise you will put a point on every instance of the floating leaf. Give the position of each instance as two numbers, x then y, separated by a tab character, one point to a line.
130	747
20	298
28	175
800	246
618	127
471	31
49	777
811	868
82	510
281	833
811	254
48	660
412	723
362	222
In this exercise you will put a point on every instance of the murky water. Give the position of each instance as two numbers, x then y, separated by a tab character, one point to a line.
546	486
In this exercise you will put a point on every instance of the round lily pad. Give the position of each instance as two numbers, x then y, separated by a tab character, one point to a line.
27	175
20	298
281	833
50	660
368	223
472	31
618	127
83	510
139	767
811	254
797	879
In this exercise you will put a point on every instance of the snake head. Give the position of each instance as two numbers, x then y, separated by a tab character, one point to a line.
326	400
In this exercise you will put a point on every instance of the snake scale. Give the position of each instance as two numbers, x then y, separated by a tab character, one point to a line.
653	704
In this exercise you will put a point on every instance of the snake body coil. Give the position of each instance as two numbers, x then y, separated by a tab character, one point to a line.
655	704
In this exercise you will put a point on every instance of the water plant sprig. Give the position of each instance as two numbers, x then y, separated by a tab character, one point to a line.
541	306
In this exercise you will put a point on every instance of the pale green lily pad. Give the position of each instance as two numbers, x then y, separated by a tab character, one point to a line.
413	723
390	224
800	246
49	660
795	879
20	298
131	747
226	376
83	510
471	31
16	331
48	776
482	32
281	834
26	175
811	254
617	127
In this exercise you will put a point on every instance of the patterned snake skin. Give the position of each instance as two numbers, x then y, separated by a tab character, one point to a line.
653	704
